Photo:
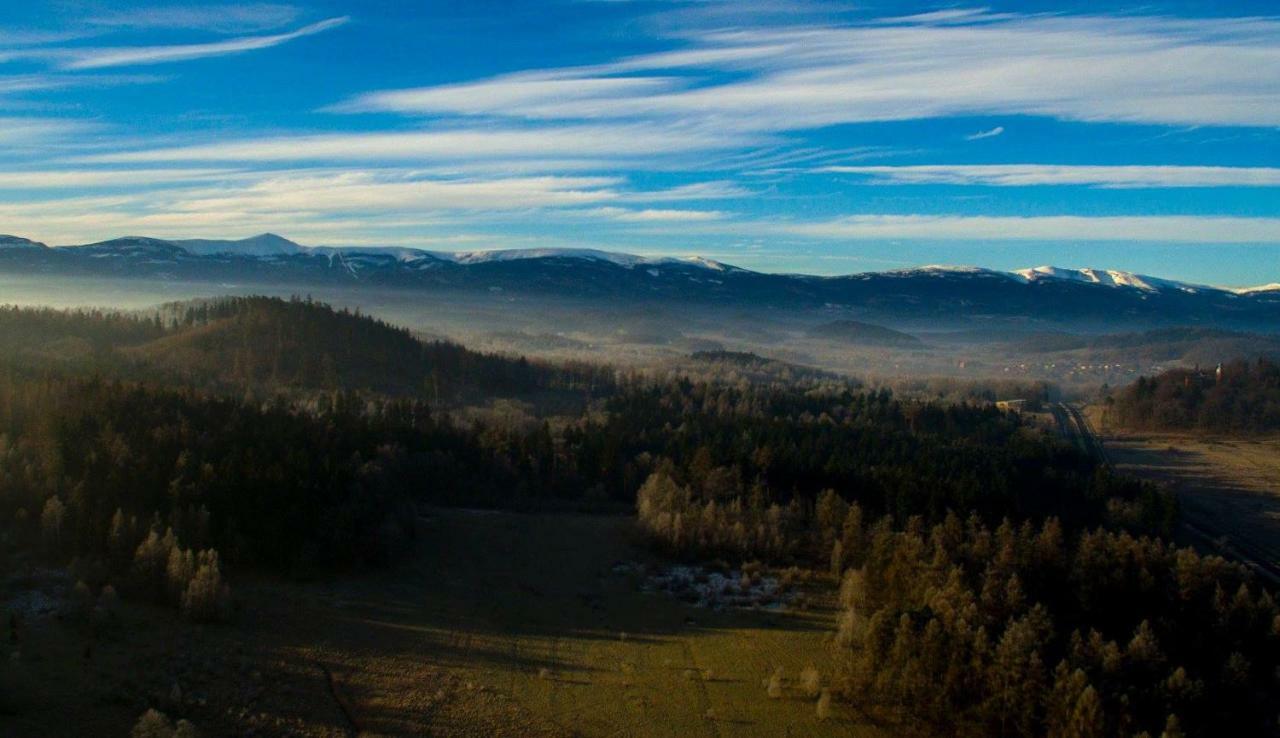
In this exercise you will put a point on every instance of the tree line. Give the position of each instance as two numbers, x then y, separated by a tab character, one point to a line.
1239	397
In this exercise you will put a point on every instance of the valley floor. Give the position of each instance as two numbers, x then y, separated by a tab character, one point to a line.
501	624
1228	488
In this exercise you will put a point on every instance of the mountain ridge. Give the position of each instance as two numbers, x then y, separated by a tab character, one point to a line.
270	244
933	294
18	242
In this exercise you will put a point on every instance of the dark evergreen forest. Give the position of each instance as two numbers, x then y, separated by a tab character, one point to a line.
995	579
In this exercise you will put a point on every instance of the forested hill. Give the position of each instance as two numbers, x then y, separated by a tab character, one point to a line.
1244	397
33	334
270	345
867	334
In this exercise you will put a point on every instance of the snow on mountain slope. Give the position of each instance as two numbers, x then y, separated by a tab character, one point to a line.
624	260
1273	287
264	244
1105	277
942	270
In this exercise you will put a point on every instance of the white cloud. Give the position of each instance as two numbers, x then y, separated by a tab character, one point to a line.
1086	68
32	130
657	215
716	190
465	145
1023	175
528	92
237	18
1168	229
73	179
132	56
381	206
992	133
370	192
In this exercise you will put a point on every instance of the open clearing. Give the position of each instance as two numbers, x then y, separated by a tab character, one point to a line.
1228	487
500	624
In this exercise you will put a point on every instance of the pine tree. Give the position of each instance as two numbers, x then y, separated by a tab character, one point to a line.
1172	728
51	523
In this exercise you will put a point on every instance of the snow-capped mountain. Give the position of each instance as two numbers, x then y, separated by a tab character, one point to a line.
629	261
1105	277
1273	287
945	294
263	244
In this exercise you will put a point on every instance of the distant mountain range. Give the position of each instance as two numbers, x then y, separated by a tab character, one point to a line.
1046	294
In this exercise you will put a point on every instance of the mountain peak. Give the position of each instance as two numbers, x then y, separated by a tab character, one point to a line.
263	244
18	242
269	238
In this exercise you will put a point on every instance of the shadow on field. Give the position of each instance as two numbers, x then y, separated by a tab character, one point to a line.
524	600
476	574
1236	502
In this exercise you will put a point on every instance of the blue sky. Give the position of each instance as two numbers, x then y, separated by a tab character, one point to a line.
783	135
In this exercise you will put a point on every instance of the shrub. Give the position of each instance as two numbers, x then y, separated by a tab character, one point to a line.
152	724
155	724
774	687
810	681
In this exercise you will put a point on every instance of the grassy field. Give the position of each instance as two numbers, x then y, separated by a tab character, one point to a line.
1229	487
501	624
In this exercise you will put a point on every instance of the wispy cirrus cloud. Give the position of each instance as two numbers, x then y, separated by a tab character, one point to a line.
1084	68
21	130
222	18
76	179
1026	175
363	192
531	93
619	141
75	59
367	202
657	215
1188	229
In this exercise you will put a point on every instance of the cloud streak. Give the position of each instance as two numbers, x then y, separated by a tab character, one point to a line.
1159	229
466	144
1029	175
372	192
657	215
238	18
1082	68
143	55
